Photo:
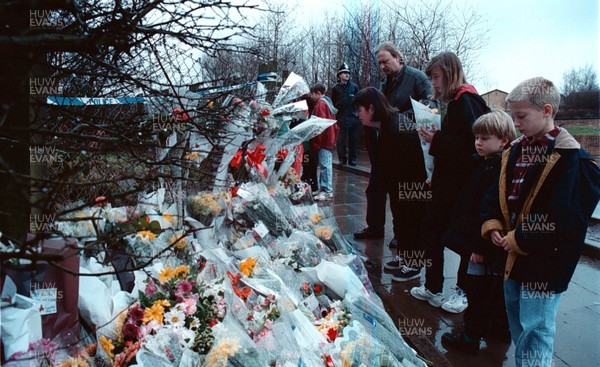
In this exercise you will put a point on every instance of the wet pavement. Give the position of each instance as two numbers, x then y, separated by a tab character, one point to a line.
577	340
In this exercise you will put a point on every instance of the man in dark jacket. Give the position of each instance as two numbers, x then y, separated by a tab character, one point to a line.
342	95
402	83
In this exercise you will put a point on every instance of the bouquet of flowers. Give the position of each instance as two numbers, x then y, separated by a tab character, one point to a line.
203	207
174	313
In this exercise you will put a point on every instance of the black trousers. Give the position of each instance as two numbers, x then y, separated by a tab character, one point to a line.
376	201
347	140
407	214
434	225
486	313
310	162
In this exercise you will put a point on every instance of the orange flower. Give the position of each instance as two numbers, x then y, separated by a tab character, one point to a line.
156	312
146	235
247	266
166	274
107	345
182	271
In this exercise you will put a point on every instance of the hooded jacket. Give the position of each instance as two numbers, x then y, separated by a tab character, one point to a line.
557	199
326	140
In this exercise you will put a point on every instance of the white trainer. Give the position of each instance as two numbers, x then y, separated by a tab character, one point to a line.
457	302
423	294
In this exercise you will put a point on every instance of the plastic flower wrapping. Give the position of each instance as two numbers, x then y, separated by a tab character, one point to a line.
250	273
427	118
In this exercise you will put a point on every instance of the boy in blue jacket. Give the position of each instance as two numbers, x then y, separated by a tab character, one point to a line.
547	192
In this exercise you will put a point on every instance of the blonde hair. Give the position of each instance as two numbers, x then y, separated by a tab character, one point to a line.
497	123
451	68
537	92
392	49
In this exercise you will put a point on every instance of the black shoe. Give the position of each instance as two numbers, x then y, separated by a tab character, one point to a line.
395	264
343	161
352	163
458	341
368	234
406	274
393	243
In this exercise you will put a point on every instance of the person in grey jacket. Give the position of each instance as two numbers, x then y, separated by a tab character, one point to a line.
402	82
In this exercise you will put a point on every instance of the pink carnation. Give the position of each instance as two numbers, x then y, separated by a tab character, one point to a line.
150	288
190	306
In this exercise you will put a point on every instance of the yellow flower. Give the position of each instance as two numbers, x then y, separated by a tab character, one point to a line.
146	235
74	362
323	233
247	266
156	313
166	274
315	218
169	217
182	271
179	242
220	353
107	345
194	155
162	302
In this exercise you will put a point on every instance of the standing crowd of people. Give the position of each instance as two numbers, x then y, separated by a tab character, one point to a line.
488	195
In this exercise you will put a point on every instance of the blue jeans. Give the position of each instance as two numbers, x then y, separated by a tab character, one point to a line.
531	312
326	170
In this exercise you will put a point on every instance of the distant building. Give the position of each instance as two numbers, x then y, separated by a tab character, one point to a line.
495	99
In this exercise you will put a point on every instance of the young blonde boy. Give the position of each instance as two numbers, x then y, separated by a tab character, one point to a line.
485	315
547	191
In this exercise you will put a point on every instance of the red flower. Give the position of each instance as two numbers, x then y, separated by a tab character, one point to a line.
332	333
318	288
265	112
213	322
130	331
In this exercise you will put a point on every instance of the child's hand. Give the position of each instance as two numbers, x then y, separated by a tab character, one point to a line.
476	258
497	238
425	134
428	182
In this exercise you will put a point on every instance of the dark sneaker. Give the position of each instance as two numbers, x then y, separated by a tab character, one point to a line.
368	234
393	243
406	273
395	264
352	163
458	341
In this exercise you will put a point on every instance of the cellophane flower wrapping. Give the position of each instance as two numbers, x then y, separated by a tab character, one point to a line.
260	206
301	249
293	87
380	327
204	207
429	120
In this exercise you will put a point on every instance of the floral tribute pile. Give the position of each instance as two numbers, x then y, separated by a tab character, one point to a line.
257	274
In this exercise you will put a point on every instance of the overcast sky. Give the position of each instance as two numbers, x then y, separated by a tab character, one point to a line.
527	38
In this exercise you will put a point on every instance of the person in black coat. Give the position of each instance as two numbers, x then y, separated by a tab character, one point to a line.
452	147
342	95
486	314
397	161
